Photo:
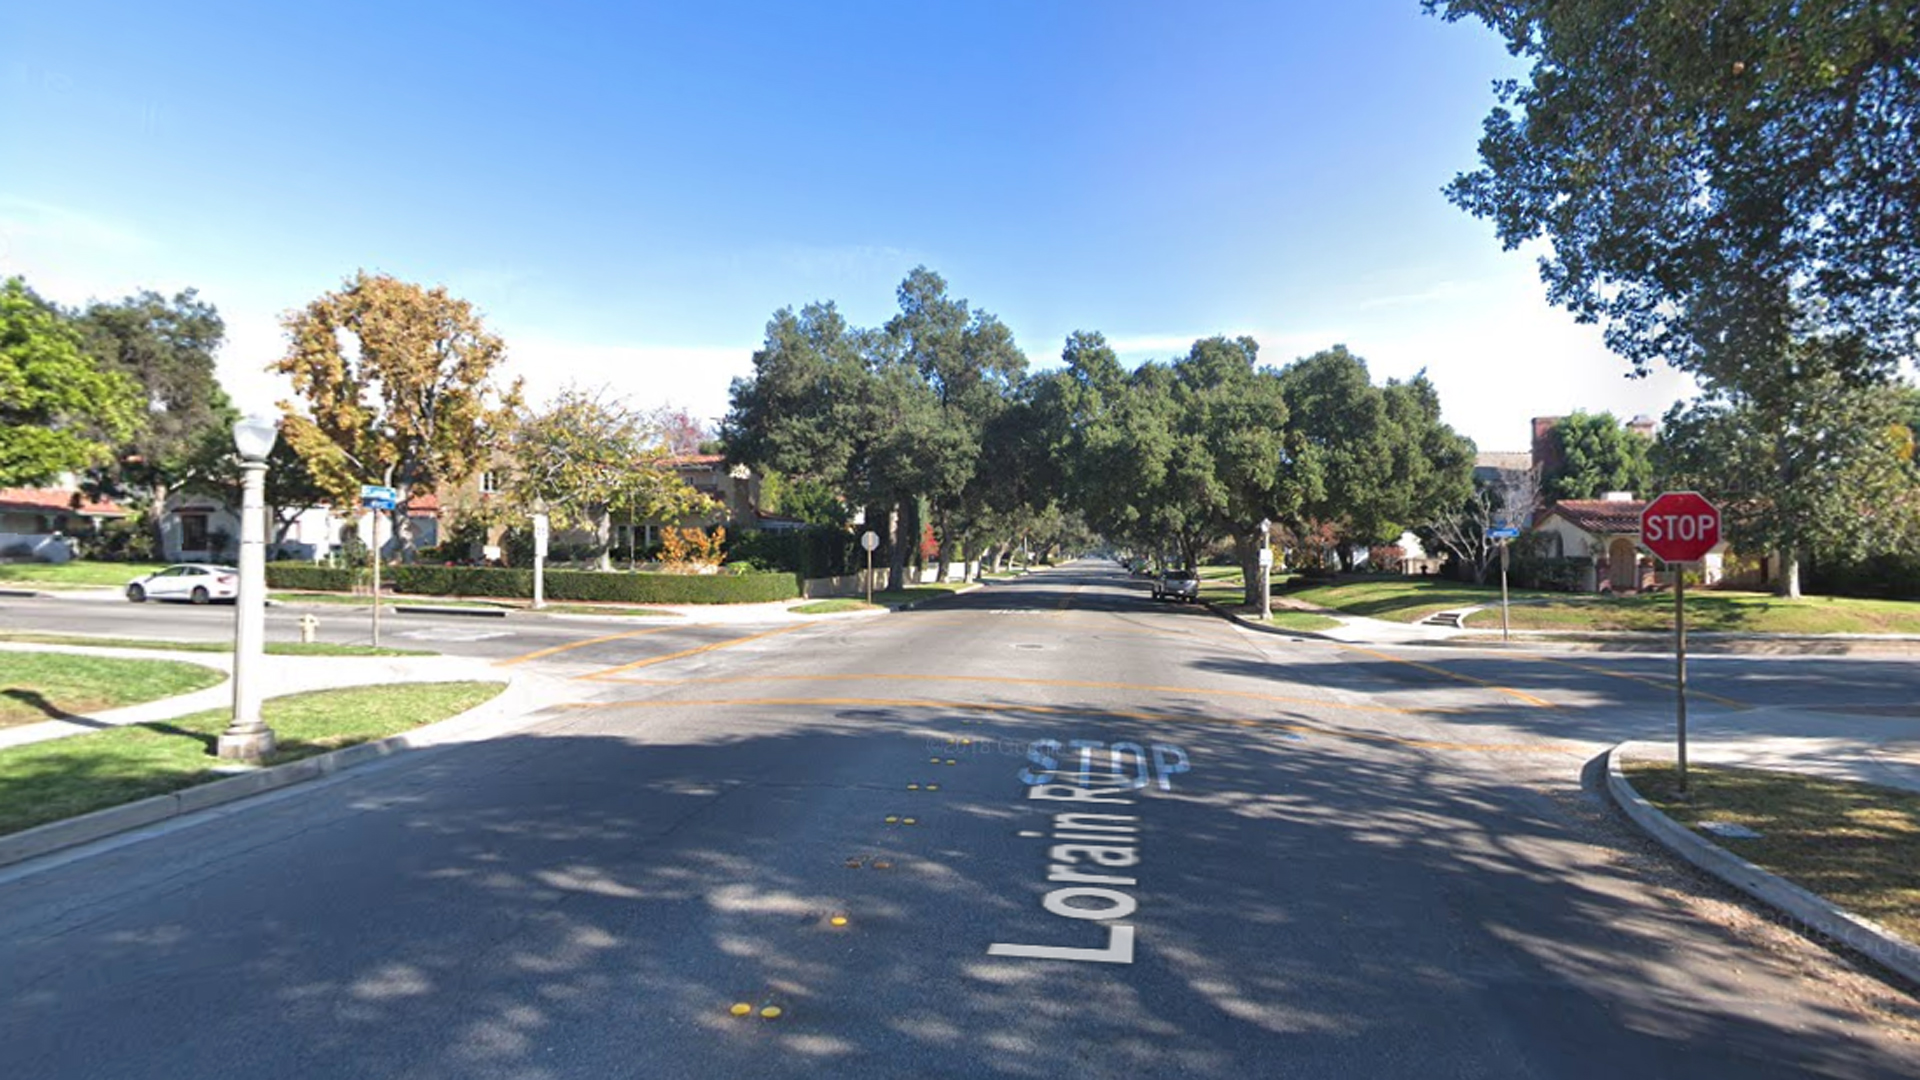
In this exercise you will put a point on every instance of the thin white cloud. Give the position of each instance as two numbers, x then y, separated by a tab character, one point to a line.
32	224
696	377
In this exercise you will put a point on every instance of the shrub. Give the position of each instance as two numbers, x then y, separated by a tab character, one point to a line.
594	585
691	550
313	577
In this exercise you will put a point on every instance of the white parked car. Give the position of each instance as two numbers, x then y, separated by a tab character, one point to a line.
198	582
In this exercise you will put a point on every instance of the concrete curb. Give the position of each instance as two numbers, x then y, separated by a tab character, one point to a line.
1808	912
481	721
22	594
428	609
1252	624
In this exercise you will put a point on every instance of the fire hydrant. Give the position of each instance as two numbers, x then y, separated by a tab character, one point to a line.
309	625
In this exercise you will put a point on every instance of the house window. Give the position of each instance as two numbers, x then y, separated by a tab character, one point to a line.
193	532
489	482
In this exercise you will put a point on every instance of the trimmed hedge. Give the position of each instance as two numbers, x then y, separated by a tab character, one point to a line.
313	577
591	585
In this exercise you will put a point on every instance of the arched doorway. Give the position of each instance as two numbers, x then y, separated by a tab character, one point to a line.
1623	566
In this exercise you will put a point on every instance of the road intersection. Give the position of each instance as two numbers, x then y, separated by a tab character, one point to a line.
1344	860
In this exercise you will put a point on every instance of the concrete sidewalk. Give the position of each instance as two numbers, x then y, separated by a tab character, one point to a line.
279	674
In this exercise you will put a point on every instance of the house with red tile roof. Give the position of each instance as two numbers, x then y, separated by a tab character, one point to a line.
1606	533
45	523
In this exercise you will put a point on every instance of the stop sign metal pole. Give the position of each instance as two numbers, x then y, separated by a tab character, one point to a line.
1680	527
1680	669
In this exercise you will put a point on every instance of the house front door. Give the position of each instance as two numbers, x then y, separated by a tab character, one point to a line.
1623	566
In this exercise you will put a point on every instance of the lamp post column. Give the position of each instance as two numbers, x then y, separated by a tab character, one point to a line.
248	738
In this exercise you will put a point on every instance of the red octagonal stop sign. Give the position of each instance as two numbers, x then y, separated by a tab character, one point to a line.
1680	526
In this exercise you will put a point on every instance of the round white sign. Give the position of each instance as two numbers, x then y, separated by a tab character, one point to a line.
869	540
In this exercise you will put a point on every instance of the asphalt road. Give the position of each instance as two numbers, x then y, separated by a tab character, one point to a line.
1307	860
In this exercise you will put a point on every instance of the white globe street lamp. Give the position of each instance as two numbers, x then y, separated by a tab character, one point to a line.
248	738
1266	570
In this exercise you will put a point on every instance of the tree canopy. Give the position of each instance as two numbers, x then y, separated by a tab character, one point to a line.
1716	180
60	409
165	347
397	384
1596	455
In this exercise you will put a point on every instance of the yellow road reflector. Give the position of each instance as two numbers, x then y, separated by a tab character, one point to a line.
838	920
882	865
908	821
891	818
933	761
933	787
740	1008
913	787
966	742
771	1012
950	761
853	864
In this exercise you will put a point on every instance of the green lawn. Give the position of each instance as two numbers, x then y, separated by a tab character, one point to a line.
1410	599
1712	610
61	778
78	574
1399	599
832	606
1855	844
914	593
274	648
36	686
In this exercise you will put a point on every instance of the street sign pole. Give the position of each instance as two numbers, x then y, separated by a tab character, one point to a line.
373	555
540	533
1681	527
1503	591
869	540
1680	669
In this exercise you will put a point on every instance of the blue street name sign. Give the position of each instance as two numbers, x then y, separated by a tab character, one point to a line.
1503	532
376	497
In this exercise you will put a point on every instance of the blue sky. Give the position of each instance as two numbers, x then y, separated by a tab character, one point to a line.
628	193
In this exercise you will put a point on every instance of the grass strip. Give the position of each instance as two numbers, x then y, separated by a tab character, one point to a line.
77	574
62	778
1761	613
274	648
832	606
1858	845
37	686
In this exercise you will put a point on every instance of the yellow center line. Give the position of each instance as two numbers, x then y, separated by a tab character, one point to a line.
583	644
695	651
1065	683
1444	673
1050	710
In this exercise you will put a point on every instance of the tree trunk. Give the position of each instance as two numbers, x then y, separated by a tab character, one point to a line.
1250	575
896	549
1787	582
157	518
603	536
945	554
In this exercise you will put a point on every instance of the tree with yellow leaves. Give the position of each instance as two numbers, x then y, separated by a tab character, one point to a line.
397	386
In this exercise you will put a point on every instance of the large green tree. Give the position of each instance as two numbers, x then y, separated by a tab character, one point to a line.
1596	455
1716	179
587	457
397	384
166	347
1829	471
61	410
1729	187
